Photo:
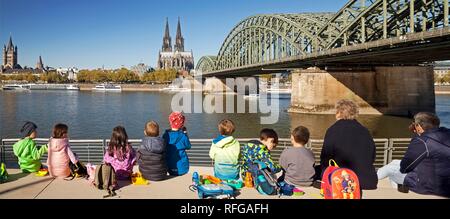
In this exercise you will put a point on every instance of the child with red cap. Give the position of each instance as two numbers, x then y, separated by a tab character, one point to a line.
177	142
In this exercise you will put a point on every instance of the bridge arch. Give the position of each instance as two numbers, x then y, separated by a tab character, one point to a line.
264	38
206	64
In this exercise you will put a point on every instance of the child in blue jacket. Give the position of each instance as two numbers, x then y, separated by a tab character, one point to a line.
177	142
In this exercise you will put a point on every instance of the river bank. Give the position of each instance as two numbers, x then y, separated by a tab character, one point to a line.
129	87
439	89
442	89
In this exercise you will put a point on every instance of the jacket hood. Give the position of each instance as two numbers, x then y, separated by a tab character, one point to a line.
150	143
226	142
175	136
439	134
58	144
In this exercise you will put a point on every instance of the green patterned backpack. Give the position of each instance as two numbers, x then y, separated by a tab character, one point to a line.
3	173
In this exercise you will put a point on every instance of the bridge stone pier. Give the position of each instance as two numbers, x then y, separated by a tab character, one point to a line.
401	91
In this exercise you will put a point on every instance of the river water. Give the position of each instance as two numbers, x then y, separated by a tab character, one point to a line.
93	115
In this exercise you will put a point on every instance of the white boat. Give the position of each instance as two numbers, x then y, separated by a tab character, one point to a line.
279	90
175	88
280	93
107	87
251	96
19	87
73	87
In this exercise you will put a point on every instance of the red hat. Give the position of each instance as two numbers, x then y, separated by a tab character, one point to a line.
176	120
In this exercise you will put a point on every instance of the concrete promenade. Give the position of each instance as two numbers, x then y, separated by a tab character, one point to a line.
29	186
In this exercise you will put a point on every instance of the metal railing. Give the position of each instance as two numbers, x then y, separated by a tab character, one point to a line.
92	150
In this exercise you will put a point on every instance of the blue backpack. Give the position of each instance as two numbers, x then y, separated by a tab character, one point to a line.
265	181
211	191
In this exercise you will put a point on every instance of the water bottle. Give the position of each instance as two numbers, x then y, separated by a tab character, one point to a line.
195	178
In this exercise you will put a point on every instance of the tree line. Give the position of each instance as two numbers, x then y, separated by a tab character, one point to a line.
442	79
49	77
122	75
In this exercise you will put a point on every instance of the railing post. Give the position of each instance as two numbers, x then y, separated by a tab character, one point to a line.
385	19
445	13
390	150
385	152
89	153
2	151
104	146
411	16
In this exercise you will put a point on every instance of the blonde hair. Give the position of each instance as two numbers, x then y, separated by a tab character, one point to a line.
152	129
226	127
347	109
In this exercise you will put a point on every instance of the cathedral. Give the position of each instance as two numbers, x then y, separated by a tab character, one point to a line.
175	58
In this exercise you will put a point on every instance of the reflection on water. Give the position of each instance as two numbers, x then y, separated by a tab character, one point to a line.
94	115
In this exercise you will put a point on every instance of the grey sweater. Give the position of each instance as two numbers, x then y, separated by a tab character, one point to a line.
298	164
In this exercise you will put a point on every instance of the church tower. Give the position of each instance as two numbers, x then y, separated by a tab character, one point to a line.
179	42
40	64
167	41
10	55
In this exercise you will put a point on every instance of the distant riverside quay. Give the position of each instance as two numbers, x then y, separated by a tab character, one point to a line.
439	89
442	89
129	87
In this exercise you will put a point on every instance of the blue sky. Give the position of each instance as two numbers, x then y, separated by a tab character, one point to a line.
93	33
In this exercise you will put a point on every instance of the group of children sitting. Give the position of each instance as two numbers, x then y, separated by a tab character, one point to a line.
230	163
159	157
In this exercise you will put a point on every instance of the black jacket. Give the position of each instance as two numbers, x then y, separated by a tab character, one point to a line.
351	146
427	163
151	159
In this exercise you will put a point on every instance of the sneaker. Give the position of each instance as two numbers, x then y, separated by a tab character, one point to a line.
402	188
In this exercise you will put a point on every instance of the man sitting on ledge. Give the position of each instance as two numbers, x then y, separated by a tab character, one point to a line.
425	167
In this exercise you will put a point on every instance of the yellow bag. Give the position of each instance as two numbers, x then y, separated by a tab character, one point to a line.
137	179
42	172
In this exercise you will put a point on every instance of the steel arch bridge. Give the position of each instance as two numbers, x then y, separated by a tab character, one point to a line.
262	40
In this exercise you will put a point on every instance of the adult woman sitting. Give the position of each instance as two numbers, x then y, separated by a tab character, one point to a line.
351	145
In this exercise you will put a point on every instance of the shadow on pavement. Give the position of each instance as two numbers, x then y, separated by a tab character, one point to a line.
25	185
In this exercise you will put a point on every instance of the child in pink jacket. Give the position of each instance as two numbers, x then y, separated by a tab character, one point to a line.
59	152
120	154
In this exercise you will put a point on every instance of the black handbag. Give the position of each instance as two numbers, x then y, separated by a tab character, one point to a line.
77	170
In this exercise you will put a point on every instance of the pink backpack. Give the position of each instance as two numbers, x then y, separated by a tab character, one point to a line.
340	183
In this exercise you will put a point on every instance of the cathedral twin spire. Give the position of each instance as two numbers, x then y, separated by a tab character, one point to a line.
167	40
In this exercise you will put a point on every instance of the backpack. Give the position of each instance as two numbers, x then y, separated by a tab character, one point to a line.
77	170
105	179
211	191
264	180
3	173
340	183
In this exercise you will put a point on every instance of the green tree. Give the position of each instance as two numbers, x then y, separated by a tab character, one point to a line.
82	76
148	77
437	79
54	77
31	78
446	78
124	75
